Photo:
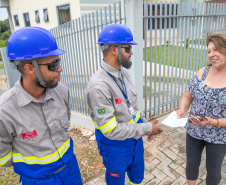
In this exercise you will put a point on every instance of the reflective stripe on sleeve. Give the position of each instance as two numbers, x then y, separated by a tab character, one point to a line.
131	183
17	157
5	159
132	121
110	125
137	116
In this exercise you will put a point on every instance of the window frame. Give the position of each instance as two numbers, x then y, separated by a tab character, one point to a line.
45	17
25	21
37	21
16	22
58	15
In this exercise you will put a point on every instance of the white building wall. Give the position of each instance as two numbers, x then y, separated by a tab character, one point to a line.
19	7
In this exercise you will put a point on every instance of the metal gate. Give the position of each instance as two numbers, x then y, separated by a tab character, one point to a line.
83	57
175	49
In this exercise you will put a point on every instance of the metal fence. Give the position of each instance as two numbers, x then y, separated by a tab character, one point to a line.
82	58
175	49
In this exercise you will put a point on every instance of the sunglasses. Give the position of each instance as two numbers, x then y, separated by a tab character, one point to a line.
128	49
53	66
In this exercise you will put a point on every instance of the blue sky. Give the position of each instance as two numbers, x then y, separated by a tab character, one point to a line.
3	14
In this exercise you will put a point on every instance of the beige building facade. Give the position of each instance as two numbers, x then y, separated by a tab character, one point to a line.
43	13
50	13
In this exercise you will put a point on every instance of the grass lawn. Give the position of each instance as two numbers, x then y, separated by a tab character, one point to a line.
1	66
195	55
2	43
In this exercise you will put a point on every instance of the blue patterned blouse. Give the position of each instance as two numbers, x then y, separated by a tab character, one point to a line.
209	102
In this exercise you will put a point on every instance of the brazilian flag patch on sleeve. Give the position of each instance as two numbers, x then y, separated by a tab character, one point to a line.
101	111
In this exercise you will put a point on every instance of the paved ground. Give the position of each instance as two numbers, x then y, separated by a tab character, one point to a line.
164	160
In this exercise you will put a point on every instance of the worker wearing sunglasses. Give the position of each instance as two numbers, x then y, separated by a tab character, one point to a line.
37	142
112	100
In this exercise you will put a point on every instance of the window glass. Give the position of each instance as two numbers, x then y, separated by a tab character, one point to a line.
64	14
16	20
27	19
37	19
46	16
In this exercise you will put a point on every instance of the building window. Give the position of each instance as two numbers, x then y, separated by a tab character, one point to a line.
16	20
64	14
46	16
27	19
37	19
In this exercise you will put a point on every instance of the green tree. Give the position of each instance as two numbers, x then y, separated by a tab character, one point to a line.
6	35
4	25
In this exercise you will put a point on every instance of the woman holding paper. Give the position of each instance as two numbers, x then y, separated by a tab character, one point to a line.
206	126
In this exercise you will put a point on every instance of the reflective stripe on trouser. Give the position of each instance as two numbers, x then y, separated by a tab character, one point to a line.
121	159
70	175
136	184
34	167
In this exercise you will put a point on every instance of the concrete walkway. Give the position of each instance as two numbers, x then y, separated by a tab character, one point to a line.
165	158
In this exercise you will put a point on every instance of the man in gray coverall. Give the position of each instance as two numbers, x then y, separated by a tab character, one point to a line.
34	114
112	100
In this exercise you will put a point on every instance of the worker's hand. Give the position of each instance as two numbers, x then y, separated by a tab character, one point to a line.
155	129
180	113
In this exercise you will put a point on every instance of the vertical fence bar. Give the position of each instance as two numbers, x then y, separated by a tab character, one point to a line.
95	38
155	73
173	48
115	15
186	47
91	31
180	57
160	58
188	68
164	57
75	51
109	7
169	48
175	83
145	57
151	62
105	15
120	15
82	60
69	63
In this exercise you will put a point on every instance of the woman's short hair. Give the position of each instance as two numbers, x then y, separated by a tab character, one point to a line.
219	41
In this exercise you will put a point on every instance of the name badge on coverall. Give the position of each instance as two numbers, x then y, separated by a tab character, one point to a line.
131	112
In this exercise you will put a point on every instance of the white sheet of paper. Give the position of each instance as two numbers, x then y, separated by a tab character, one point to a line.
173	121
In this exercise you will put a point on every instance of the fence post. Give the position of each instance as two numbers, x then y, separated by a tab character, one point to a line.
11	74
134	20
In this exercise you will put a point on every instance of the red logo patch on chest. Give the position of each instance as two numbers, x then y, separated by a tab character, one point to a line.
114	175
29	135
118	101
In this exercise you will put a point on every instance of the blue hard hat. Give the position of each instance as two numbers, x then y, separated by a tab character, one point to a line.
116	34
30	43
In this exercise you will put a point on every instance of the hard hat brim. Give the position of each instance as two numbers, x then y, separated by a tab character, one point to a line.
56	52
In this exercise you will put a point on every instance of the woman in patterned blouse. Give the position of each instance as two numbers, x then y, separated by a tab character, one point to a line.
206	127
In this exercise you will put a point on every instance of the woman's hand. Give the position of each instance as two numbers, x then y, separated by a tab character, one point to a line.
200	121
180	113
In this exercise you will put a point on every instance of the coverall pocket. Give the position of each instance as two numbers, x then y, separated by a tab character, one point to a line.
28	139
64	126
133	97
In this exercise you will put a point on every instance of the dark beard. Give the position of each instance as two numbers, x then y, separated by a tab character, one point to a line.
49	85
126	63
